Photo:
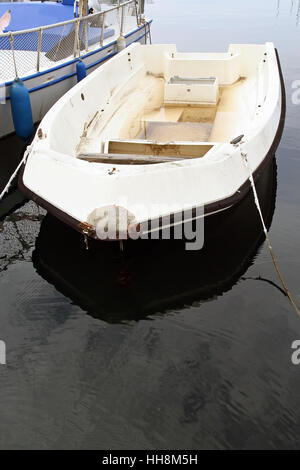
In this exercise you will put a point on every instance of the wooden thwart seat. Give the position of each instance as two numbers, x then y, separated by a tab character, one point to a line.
143	152
124	159
183	149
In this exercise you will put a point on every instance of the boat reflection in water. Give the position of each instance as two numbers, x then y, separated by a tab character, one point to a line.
156	275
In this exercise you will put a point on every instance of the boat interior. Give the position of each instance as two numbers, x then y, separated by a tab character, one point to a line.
171	105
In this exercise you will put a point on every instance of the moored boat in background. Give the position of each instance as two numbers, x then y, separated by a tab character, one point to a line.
49	49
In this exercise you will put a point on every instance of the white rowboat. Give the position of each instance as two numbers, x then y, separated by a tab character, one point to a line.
154	133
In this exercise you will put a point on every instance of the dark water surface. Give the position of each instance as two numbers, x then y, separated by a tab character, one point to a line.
177	349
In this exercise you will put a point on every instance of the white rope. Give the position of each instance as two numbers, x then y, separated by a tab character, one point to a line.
13	54
245	160
244	155
8	185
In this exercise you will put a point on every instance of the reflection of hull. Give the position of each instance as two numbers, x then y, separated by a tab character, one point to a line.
160	274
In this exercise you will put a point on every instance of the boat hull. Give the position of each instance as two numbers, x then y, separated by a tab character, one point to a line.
262	147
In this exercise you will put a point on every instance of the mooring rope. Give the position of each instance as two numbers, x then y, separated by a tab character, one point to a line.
8	185
11	38
245	159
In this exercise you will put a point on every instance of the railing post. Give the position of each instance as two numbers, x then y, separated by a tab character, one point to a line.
102	29
86	35
39	50
76	39
122	21
136	12
142	10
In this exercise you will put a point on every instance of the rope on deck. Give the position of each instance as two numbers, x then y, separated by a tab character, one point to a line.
289	295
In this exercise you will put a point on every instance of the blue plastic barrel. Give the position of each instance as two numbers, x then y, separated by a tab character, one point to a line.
21	110
80	70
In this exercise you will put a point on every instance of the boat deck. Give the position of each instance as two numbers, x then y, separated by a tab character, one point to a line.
136	122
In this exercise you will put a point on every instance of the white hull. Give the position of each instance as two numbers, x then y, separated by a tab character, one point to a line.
48	86
65	170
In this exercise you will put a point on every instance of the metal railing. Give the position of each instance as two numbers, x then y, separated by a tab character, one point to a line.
59	41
